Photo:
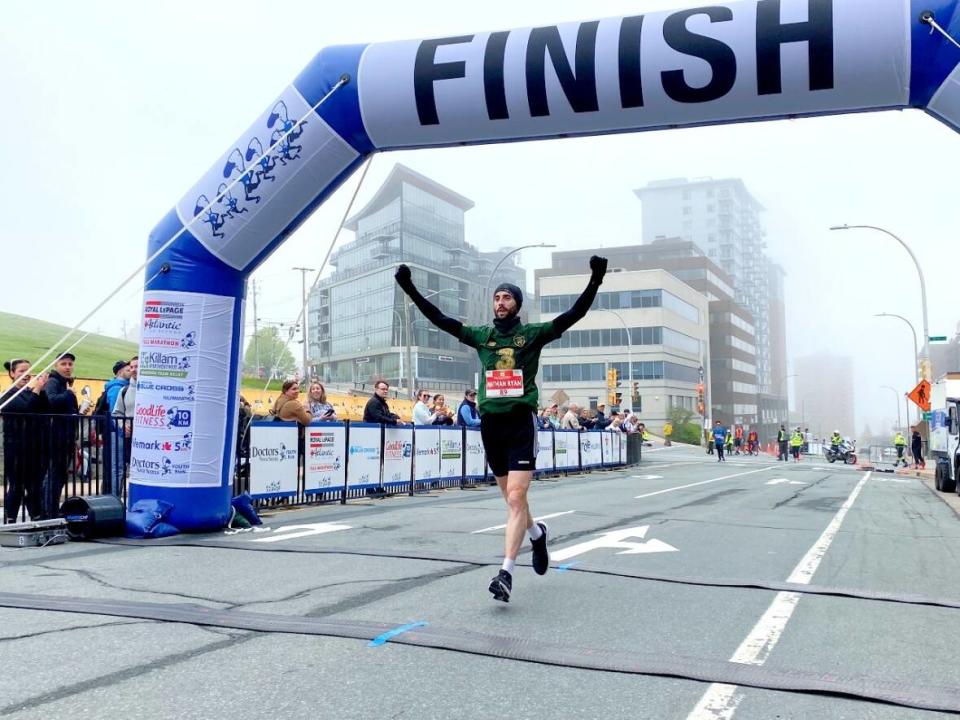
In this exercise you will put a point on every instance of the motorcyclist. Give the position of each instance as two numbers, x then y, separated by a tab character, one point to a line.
836	441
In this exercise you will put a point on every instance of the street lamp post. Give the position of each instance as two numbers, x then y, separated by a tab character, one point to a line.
916	354
629	355
803	409
486	290
408	324
925	361
303	316
896	394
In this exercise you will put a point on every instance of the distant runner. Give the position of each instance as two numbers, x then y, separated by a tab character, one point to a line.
510	355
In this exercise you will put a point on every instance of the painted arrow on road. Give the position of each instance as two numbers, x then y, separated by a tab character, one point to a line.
290	532
616	539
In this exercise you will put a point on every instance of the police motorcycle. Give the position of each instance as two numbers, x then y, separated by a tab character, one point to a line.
845	453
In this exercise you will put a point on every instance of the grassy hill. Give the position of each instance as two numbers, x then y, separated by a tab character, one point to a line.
28	338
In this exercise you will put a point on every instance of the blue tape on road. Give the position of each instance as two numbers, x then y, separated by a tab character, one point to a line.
381	639
565	566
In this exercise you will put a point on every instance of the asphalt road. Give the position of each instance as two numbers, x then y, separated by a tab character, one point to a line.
680	517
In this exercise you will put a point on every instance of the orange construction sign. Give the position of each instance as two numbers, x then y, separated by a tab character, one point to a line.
920	395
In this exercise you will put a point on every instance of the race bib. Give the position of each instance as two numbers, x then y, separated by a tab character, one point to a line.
504	383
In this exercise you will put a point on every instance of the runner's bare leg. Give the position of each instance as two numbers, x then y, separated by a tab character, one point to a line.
514	488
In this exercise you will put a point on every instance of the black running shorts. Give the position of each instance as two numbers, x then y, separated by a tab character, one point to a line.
510	440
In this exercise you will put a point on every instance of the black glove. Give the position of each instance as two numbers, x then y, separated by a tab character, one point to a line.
402	277
598	268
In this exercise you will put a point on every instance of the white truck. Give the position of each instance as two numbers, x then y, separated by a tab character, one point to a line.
945	431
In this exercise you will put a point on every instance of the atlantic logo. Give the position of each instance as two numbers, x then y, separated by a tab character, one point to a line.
162	325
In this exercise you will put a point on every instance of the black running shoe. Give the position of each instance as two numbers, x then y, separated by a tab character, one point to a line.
541	556
501	585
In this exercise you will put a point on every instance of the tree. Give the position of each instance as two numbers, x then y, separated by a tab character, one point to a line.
684	431
275	358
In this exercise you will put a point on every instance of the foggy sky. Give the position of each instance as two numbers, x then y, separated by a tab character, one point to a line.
111	113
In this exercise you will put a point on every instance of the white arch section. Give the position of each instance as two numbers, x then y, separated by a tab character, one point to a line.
721	63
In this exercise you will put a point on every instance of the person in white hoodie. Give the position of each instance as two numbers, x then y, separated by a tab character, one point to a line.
422	415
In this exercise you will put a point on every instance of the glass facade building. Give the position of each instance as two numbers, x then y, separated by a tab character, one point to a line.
362	326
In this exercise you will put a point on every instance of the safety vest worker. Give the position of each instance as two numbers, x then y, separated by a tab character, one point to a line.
899	440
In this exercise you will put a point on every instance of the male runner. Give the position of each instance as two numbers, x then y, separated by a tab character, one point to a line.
510	354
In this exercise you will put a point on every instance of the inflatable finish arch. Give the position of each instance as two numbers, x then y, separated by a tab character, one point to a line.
722	63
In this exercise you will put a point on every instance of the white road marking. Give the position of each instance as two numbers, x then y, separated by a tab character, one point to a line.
702	482
720	700
542	517
616	539
779	481
647	477
286	532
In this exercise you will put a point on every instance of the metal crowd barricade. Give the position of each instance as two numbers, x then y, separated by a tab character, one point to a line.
339	461
46	458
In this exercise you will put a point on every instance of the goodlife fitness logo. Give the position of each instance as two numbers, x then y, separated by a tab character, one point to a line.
163	315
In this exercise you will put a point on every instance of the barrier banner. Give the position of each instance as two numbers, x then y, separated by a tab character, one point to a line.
325	448
397	455
363	468
176	385
590	449
451	453
606	448
566	450
476	459
623	449
427	456
274	461
544	451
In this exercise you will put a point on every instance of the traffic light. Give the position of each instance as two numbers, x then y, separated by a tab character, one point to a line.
635	391
617	399
612	380
612	398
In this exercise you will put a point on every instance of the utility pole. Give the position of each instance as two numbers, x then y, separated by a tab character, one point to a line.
303	312
256	332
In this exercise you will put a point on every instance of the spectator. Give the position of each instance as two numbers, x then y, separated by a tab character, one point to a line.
467	414
444	415
288	407
570	420
377	410
22	467
62	447
123	412
319	407
422	414
543	421
586	420
110	432
553	416
600	420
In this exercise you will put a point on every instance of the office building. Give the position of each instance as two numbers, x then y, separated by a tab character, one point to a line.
362	326
731	376
722	217
823	389
647	325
